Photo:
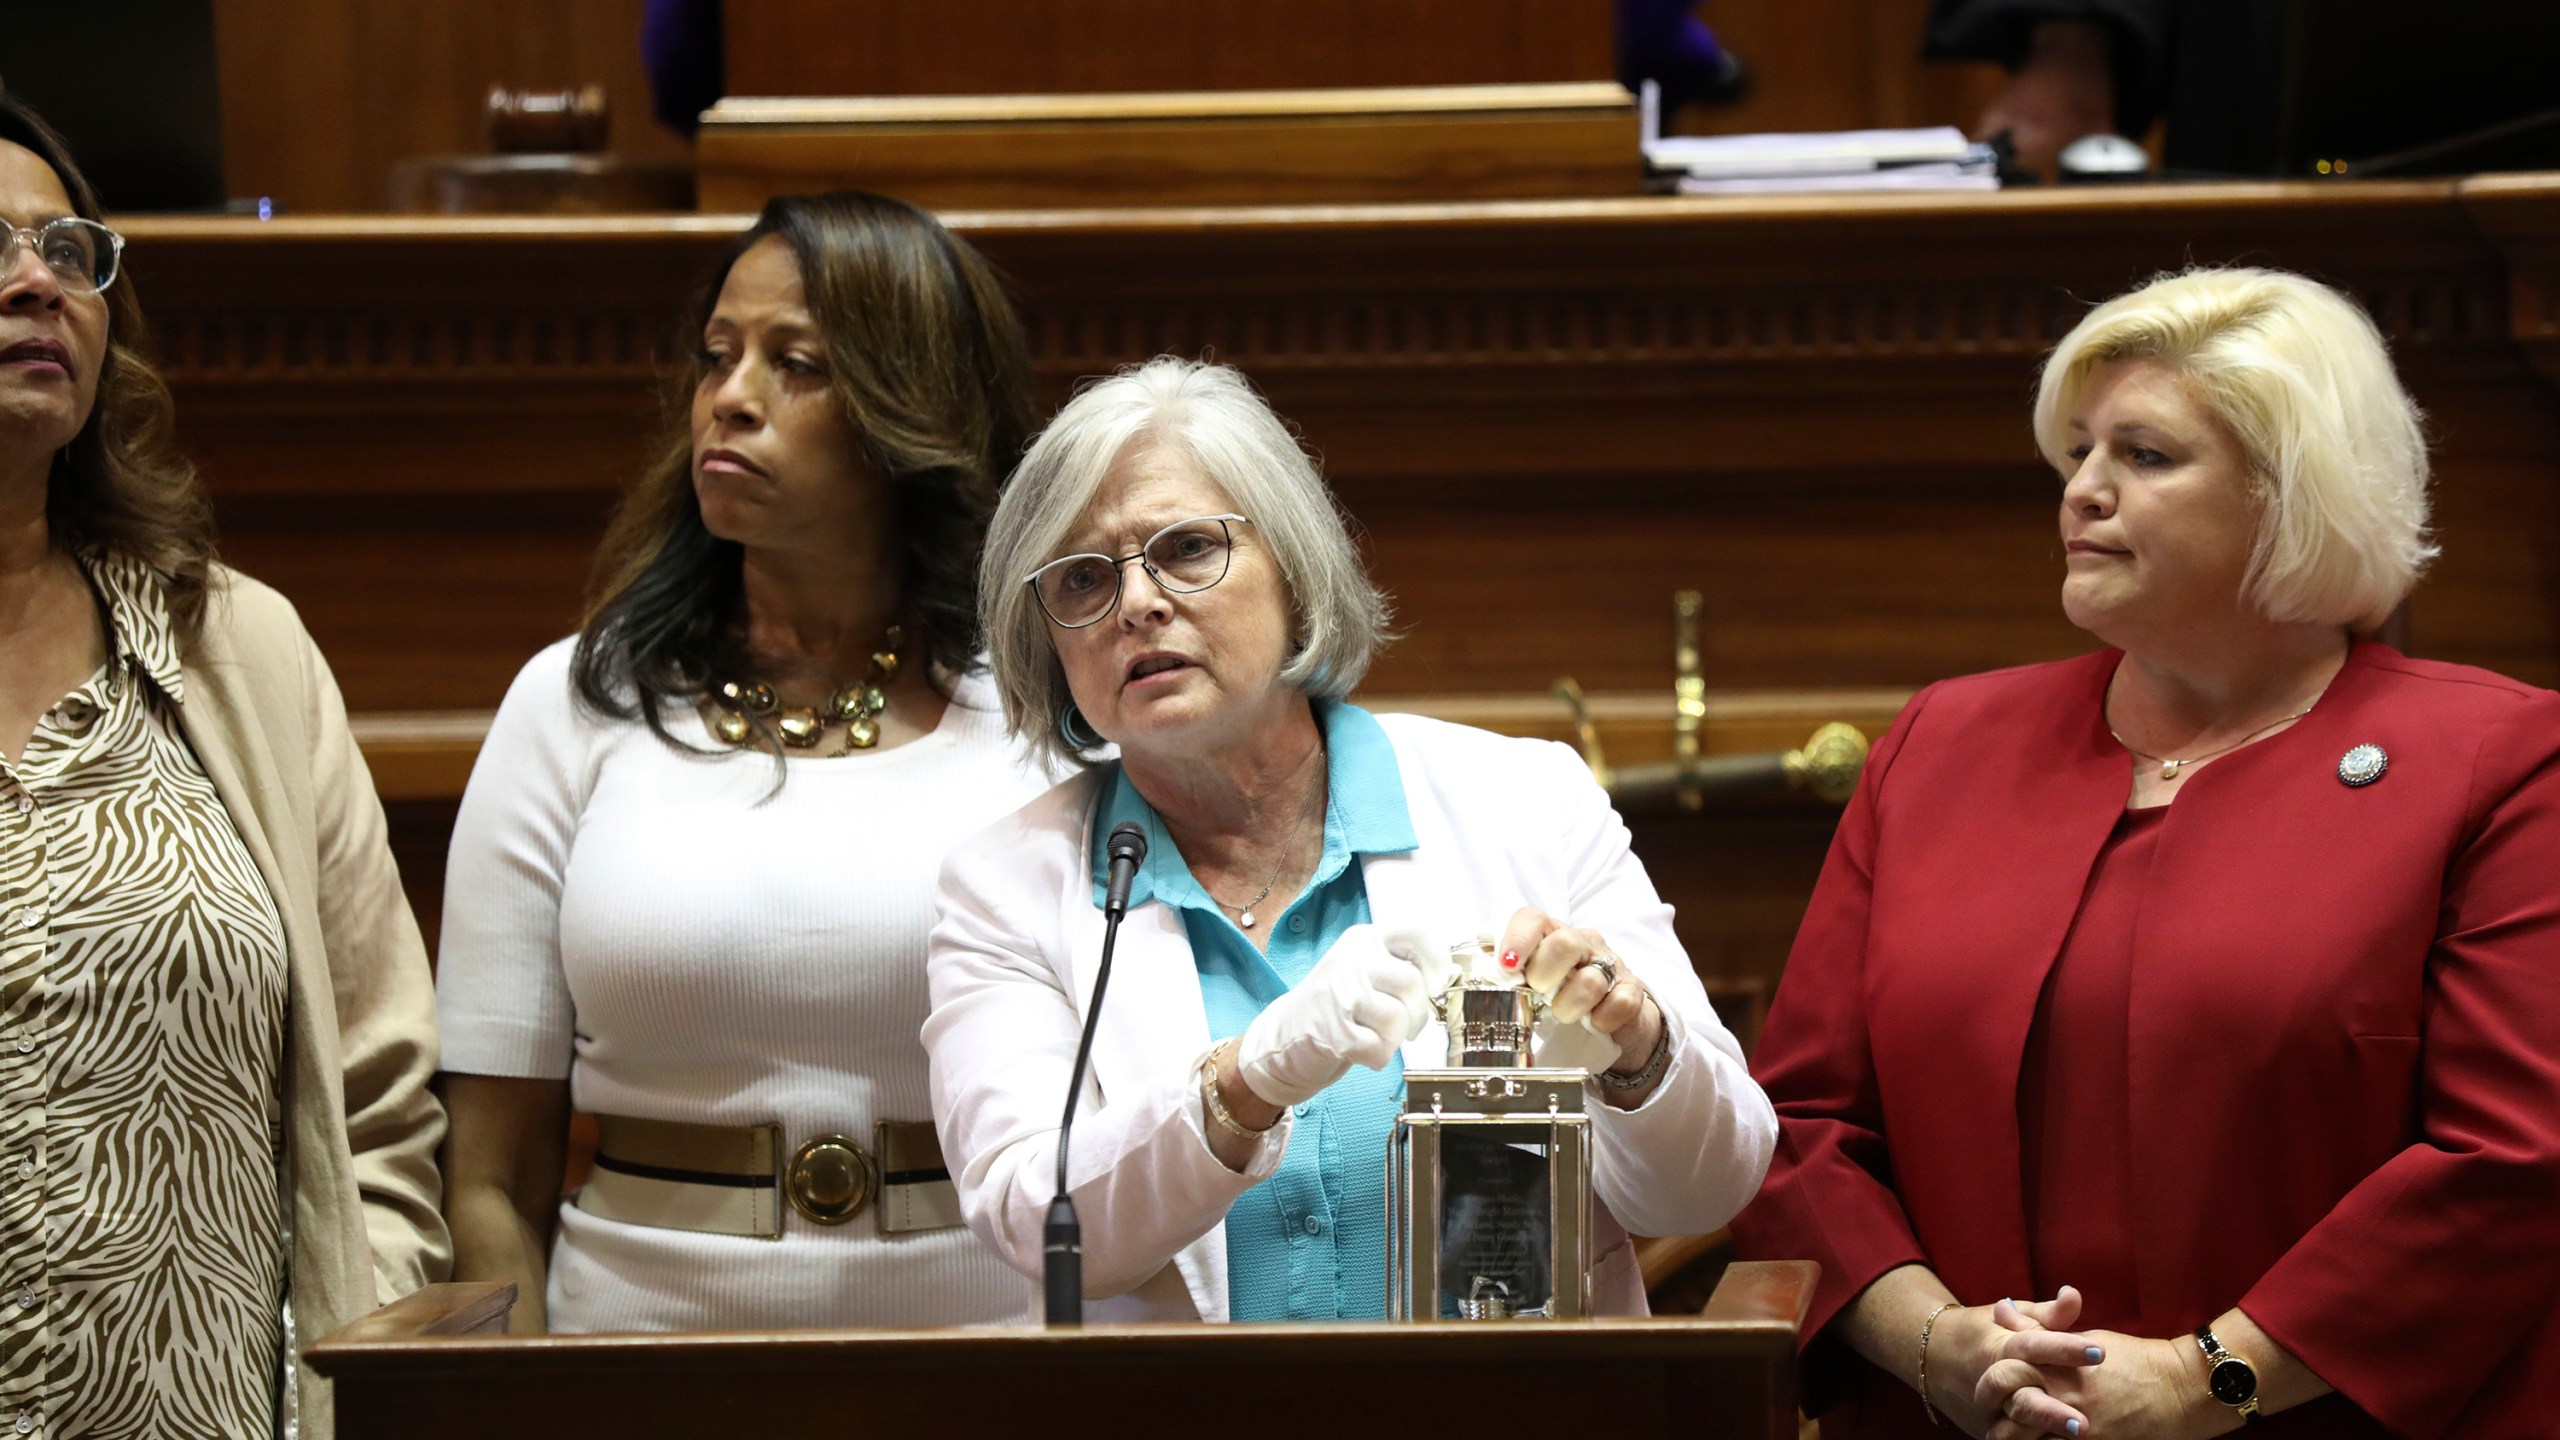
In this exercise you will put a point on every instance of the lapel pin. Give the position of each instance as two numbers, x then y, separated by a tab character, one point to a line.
2363	765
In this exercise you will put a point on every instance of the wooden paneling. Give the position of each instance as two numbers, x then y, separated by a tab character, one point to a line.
320	98
1447	142
1545	418
1024	47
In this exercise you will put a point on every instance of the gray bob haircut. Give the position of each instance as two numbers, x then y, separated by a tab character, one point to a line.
1210	414
2336	451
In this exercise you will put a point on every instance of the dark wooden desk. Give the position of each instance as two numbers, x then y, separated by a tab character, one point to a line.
1726	1374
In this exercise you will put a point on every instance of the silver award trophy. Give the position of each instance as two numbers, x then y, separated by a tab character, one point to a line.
1489	1167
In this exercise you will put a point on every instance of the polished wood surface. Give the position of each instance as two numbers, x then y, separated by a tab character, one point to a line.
1724	1374
1450	142
533	184
1006	47
434	1312
547	156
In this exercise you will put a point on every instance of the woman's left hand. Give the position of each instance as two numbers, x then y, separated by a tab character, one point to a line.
1583	979
2143	1390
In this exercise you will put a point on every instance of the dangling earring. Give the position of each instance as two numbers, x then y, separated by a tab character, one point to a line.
1073	729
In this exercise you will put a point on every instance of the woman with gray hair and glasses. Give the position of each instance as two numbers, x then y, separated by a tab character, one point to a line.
1168	574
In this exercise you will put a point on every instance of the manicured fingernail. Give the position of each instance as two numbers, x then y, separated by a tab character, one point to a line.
1510	959
2095	1354
2071	1425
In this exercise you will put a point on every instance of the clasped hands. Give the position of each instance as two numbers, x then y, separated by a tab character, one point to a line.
1372	992
2020	1370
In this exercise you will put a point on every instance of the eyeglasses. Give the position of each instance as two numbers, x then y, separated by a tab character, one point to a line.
81	253
1185	557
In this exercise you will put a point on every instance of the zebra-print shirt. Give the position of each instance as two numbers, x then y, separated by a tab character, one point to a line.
142	1023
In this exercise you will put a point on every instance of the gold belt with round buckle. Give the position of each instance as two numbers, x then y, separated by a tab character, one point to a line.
831	1179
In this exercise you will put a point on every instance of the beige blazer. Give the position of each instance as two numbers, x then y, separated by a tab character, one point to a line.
266	720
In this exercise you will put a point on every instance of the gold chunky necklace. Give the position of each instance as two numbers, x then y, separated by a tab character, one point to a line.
856	704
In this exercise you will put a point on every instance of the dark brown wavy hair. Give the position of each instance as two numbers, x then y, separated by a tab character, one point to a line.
121	485
929	364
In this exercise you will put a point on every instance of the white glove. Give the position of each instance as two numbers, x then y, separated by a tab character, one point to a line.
1369	994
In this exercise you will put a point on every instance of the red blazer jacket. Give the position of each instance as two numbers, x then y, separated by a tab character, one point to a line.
2344	1033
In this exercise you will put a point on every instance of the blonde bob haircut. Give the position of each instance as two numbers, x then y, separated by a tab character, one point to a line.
1211	415
2336	454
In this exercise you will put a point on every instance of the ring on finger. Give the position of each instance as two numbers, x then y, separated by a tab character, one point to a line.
1607	965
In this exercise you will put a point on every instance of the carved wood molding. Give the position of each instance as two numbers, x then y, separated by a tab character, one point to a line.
1703	292
1553	328
2522	215
407	343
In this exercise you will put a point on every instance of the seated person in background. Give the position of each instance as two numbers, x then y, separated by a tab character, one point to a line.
2209	983
2247	86
220	1003
2064	59
692	875
1168	573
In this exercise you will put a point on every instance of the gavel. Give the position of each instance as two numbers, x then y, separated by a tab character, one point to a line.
553	122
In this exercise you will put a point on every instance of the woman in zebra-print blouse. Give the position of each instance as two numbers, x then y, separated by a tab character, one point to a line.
209	979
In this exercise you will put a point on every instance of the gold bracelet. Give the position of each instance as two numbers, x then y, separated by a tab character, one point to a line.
1925	1327
1217	1107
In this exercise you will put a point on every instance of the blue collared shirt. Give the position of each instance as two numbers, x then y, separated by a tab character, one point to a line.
1310	1242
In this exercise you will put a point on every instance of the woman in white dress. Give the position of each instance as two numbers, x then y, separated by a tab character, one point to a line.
693	873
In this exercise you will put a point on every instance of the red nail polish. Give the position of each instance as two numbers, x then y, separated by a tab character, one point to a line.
1510	959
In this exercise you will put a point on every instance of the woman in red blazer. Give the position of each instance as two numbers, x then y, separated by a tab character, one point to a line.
2208	984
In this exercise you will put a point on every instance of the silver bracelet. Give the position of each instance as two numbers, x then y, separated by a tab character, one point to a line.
1654	1064
1922	1383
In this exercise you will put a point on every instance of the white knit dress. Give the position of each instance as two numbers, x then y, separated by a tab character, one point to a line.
680	942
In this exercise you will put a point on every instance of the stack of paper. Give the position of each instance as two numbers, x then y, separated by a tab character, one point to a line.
1930	159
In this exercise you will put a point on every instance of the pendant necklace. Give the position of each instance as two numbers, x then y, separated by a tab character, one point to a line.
1246	919
2169	768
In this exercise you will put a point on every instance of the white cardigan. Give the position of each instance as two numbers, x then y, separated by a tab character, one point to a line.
1500	822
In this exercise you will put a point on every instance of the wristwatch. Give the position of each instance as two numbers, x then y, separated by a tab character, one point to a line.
2234	1381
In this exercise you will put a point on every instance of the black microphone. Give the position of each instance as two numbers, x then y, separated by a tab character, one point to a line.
1061	1237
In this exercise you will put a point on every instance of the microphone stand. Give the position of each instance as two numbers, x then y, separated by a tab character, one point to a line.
1061	1235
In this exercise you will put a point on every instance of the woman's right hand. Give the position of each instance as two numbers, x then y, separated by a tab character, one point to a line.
1996	1388
1369	994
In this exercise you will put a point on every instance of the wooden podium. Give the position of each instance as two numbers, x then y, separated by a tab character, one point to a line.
416	1369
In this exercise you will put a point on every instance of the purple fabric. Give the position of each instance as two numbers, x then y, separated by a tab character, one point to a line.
680	44
1665	41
